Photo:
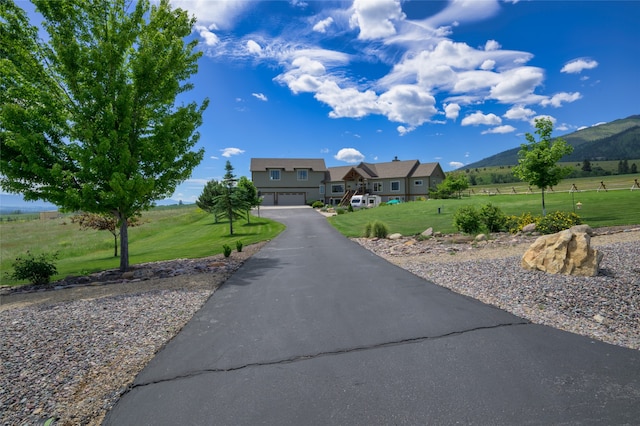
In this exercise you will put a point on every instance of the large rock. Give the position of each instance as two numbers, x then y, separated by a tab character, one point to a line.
567	252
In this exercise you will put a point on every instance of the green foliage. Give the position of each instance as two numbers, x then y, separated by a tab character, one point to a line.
492	218
350	208
453	184
537	160
37	269
514	224
239	246
317	204
467	219
88	112
556	222
226	250
233	202
104	222
212	189
340	210
249	194
376	229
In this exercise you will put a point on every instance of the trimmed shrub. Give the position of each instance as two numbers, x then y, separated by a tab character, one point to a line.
340	210
317	204
467	219
492	217
226	250
556	222
239	246
376	229
37	269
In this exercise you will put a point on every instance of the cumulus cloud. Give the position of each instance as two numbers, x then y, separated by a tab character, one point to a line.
349	155
519	112
499	130
492	45
455	164
260	96
559	98
375	18
228	152
577	65
452	111
253	47
210	39
322	26
221	13
479	118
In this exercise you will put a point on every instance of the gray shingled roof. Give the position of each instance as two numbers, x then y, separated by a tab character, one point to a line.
287	164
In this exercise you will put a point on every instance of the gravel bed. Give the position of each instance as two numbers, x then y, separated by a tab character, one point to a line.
72	361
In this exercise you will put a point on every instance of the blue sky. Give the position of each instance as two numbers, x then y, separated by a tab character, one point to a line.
368	80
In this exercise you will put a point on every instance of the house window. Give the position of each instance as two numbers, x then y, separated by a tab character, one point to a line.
337	189
395	186
303	174
274	174
418	182
377	186
321	189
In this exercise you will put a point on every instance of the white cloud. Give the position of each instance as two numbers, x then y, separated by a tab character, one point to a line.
375	18
492	45
407	104
221	13
519	112
488	65
455	164
324	150
402	130
349	155
260	96
577	65
557	99
517	85
253	47
452	111
479	118
210	39
460	11
322	26
228	152
499	130
213	157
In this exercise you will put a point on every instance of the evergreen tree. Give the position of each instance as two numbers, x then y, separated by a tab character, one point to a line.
586	166
232	202
251	195
206	202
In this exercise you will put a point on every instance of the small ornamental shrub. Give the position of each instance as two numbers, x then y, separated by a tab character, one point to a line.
556	222
492	217
226	250
37	269
376	229
467	219
379	229
239	246
514	224
350	208
340	210
317	204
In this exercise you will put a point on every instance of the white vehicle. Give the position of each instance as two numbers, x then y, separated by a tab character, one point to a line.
365	201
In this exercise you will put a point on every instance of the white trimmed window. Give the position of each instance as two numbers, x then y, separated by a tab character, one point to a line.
337	189
274	174
418	182
377	186
395	186
303	174
321	189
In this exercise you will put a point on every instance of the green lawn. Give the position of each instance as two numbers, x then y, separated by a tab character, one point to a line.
598	209
166	233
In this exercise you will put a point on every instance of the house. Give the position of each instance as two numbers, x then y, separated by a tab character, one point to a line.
285	181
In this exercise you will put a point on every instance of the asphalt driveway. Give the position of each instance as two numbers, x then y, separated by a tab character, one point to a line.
315	330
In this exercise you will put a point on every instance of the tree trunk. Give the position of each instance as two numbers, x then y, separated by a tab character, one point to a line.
115	245
124	245
544	211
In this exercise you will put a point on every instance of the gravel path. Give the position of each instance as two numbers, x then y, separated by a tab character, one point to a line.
70	354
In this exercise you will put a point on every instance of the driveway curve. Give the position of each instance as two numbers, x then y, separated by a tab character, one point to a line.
314	329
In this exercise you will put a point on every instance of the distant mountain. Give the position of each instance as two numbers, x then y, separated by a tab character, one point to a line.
10	203
617	140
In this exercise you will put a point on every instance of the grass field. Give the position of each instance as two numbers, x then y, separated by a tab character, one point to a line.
614	207
166	233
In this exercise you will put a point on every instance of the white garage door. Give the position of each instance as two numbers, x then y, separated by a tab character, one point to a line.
291	199
267	199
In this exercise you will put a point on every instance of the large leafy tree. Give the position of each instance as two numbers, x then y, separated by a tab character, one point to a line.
538	160
250	193
89	119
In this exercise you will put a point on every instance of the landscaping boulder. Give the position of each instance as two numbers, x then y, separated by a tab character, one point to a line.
395	236
567	252
428	233
529	228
